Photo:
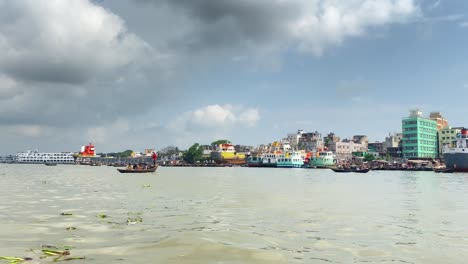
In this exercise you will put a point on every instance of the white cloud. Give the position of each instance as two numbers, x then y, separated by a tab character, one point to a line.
216	117
64	41
213	116
328	23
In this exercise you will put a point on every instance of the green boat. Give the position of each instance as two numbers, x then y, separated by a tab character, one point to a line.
322	159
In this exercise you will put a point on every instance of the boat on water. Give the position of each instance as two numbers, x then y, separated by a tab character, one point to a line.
138	170
322	159
50	164
35	157
268	160
444	170
227	154
348	170
292	159
264	160
457	157
254	161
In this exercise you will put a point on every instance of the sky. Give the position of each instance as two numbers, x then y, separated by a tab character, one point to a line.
137	74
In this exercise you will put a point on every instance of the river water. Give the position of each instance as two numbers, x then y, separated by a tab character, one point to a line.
233	215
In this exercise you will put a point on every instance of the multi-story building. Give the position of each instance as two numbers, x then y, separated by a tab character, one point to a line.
393	140
447	137
310	141
440	120
377	147
207	149
419	136
345	148
331	138
293	139
361	139
243	148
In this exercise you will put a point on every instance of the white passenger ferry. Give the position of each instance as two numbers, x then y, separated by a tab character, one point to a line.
38	157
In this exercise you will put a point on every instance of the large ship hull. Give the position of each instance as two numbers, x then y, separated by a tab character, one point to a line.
231	161
228	158
320	163
458	161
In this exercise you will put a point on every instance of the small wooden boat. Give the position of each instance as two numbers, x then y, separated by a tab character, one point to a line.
341	170
361	170
348	170
150	169
50	164
444	170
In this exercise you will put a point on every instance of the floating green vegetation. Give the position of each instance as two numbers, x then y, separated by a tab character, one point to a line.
134	217
102	216
71	228
56	253
66	214
46	252
146	185
134	220
13	260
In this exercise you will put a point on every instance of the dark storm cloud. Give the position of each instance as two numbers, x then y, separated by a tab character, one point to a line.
47	71
226	23
311	25
79	64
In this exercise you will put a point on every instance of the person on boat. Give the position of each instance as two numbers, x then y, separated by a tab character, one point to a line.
129	166
154	157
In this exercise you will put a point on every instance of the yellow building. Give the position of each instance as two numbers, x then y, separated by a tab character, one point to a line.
447	137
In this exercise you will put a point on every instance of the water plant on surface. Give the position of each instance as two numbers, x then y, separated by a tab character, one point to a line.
134	218
53	253
67	214
14	260
56	253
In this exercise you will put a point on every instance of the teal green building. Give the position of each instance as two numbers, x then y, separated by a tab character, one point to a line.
419	136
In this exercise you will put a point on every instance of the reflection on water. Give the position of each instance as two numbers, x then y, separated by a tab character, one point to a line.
234	215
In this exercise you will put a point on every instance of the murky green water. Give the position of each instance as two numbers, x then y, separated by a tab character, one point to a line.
234	215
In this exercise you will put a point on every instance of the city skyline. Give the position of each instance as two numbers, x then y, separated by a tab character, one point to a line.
139	74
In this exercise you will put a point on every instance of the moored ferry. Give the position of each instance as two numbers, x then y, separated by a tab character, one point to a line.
263	160
33	157
292	159
457	157
254	161
322	159
268	160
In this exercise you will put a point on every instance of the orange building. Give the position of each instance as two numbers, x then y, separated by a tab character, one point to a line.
441	121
